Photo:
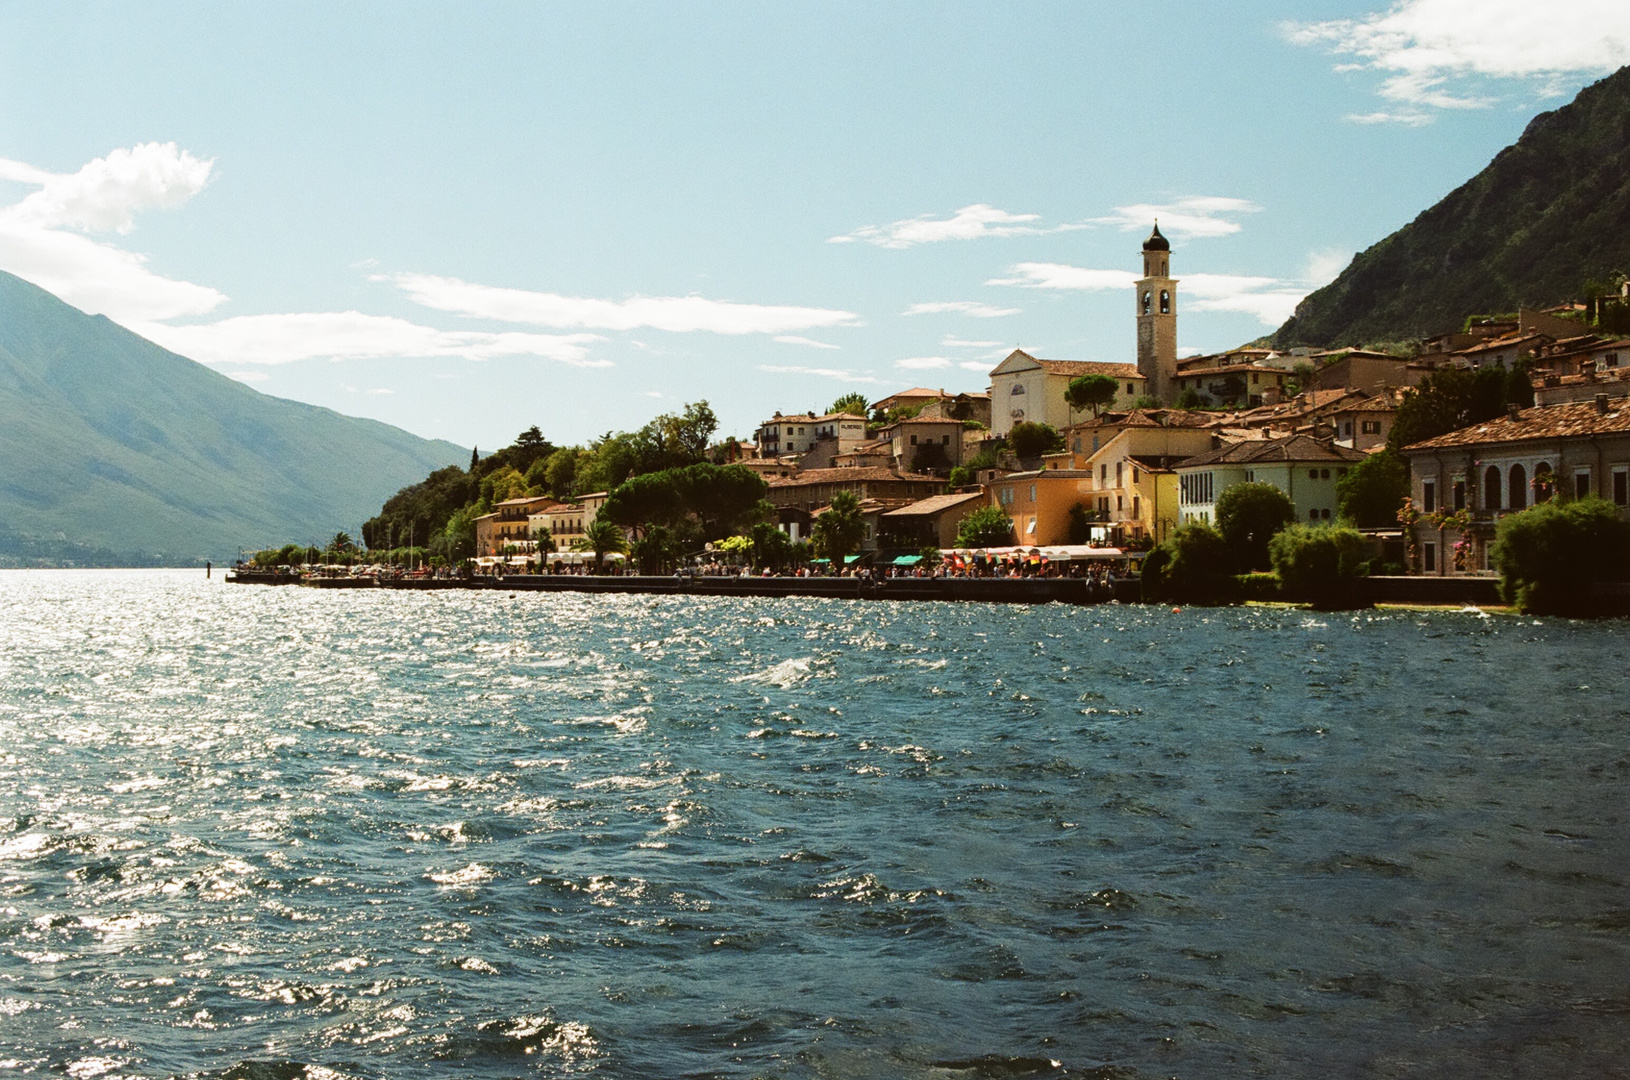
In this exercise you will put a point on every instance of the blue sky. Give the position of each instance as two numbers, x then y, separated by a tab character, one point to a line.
466	219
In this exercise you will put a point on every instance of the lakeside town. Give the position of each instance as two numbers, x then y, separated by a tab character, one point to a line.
1405	459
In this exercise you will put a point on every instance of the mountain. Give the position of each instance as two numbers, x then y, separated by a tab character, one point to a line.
114	451
1549	212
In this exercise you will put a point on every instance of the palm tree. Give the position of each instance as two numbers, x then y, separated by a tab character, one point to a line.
840	528
602	537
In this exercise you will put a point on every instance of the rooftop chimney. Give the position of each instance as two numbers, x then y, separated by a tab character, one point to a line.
1513	411
1601	404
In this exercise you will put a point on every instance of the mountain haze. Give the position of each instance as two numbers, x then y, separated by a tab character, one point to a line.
116	451
1549	212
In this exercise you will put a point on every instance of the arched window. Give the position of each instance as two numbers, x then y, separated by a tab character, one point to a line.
1517	484
1491	489
1147	300
1544	482
1165	302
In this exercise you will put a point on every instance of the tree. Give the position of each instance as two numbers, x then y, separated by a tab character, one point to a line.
1234	388
560	472
341	543
1373	490
1080	524
720	499
1553	555
475	457
1322	564
656	551
1095	392
602	538
840	528
1194	566
1248	515
545	540
772	548
1189	399
854	403
987	526
1452	398
1147	401
1029	439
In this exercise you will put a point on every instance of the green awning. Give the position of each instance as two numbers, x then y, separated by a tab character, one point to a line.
908	560
853	558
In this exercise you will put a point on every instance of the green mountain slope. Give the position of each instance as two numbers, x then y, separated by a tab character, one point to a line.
116	451
1550	211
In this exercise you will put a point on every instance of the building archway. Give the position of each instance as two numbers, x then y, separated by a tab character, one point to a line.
1491	488
1517	486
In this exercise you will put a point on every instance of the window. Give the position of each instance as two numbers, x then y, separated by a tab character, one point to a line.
1313	515
1370	427
1429	555
1134	476
1165	302
1250	476
1129	390
1095	444
1103	472
945	440
1076	446
1137	507
1347	429
1005	496
1018	388
1147	300
1460	494
1429	495
1256	377
1118	474
914	440
1032	492
1581	483
1621	485
1120	503
1313	474
1325	514
1491	489
1517	486
1324	474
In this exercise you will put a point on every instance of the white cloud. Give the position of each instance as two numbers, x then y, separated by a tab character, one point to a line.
96	277
1423	47
1323	266
36	244
923	363
960	307
1204	216
969	223
1062	276
794	339
679	314
351	335
959	343
1408	119
108	192
826	373
381	390
1270	300
976	365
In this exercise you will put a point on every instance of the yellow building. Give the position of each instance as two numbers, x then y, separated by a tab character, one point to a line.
1039	503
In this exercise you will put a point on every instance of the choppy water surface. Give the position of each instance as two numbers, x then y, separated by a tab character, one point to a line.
254	832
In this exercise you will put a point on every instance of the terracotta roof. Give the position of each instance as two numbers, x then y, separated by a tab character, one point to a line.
796	418
1222	369
1171	418
1031	474
525	501
1375	403
935	504
845	476
1572	419
925	420
1502	343
1298	448
1076	368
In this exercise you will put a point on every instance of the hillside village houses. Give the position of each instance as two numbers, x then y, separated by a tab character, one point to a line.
1298	419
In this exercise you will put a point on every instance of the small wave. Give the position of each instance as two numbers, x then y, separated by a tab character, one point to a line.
786	674
474	874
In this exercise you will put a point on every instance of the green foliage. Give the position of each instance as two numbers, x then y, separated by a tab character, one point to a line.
1029	439
1189	399
560	472
721	499
657	551
1373	490
1551	556
1248	515
545	541
1263	588
853	403
342	542
987	526
774	549
1452	398
1080	524
1234	388
456	541
1193	567
1322	564
602	538
1148	401
1094	392
840	529
1301	378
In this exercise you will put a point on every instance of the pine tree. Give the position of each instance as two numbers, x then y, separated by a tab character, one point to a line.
475	457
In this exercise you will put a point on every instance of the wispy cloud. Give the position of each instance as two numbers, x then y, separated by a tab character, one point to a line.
41	235
961	307
1203	216
1271	300
1428	50
973	222
794	339
923	363
840	374
1324	265
976	365
959	343
352	335
679	314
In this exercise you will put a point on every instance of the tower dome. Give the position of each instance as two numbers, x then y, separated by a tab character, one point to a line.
1156	242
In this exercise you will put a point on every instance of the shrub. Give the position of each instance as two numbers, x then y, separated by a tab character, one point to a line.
985	527
1193	567
1029	440
1258	586
1322	564
1551	556
1373	490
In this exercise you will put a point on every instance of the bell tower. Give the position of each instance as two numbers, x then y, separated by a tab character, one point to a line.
1157	318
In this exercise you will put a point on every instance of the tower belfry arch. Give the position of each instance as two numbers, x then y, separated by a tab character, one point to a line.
1157	317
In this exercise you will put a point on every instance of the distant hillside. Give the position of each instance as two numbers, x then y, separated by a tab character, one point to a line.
114	451
1549	211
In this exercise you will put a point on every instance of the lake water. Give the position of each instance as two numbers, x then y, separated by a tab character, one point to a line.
275	833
